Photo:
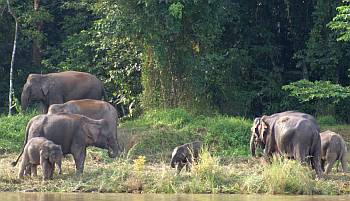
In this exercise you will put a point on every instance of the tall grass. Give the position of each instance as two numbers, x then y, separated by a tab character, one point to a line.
283	176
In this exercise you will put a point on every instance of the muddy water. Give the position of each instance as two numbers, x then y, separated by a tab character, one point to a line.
157	197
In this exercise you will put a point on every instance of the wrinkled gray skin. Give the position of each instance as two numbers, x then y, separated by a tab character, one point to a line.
74	133
291	133
333	148
61	87
255	140
42	151
94	109
184	155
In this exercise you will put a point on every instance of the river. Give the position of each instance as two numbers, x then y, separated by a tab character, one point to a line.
157	197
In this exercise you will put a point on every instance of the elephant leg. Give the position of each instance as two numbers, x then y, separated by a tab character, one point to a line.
79	159
331	159
344	163
322	164
22	168
52	169
28	170
179	167
188	167
34	170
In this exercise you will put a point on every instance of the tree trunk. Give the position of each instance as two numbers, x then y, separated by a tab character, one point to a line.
13	56
36	47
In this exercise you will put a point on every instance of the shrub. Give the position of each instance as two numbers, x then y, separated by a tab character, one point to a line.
12	130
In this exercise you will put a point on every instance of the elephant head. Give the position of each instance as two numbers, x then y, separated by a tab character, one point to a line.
51	152
177	156
57	108
98	134
36	88
260	130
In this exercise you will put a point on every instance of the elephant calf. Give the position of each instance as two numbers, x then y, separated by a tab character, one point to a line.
40	150
184	155
333	148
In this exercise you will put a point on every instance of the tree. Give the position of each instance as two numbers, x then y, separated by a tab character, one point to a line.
13	55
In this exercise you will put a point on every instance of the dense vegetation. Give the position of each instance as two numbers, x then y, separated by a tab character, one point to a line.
230	57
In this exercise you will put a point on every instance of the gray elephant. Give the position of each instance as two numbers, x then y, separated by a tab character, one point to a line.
61	87
184	155
291	133
333	148
42	151
74	133
94	109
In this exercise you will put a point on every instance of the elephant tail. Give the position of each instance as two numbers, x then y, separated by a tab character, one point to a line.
14	163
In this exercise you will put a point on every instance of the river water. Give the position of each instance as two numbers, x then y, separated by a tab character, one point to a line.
157	197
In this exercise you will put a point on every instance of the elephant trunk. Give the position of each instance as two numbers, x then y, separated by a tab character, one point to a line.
113	150
25	99
252	145
172	163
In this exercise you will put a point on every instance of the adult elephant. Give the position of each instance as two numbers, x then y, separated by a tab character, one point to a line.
95	109
291	133
74	133
60	87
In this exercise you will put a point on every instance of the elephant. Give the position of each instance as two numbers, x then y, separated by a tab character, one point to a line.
291	133
333	148
60	87
184	155
255	141
74	133
40	150
94	109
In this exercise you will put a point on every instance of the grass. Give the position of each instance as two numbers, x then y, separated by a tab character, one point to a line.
241	175
224	166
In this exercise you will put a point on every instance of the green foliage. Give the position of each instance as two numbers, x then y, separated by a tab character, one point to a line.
12	130
162	130
305	90
327	120
340	22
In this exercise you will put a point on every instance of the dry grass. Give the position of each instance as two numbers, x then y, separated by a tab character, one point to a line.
240	175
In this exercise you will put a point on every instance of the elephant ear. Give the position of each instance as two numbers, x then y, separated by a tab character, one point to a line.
255	127
91	132
46	84
264	128
44	152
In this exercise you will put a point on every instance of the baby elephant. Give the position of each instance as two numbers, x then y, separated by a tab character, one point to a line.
184	155
333	148
40	150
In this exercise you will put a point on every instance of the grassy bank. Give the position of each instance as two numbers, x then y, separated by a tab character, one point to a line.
144	167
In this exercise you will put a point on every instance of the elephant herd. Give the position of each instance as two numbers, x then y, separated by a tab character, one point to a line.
74	117
292	134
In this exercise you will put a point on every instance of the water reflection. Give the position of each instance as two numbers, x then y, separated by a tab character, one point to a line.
156	197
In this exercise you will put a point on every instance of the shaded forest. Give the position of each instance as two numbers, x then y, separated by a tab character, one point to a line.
208	56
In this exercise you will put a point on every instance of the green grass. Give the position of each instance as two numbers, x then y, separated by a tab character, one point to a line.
12	129
158	132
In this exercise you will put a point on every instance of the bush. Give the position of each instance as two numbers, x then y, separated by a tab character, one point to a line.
327	120
160	131
12	130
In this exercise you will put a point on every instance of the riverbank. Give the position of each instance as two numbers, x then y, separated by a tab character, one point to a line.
211	175
226	166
